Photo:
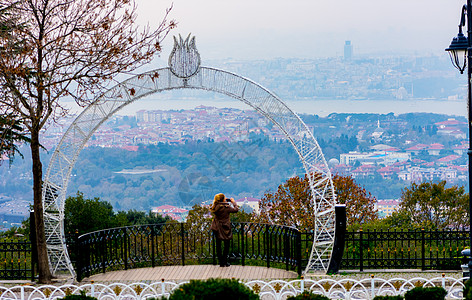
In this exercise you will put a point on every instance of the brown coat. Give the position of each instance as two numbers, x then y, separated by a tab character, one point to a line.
221	224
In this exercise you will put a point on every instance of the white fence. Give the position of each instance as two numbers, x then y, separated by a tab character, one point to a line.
273	290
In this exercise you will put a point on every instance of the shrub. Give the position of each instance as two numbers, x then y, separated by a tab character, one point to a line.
79	297
308	296
213	289
388	298
82	296
468	290
428	293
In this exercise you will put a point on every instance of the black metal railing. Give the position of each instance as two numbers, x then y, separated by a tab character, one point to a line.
420	249
16	259
181	244
252	244
267	245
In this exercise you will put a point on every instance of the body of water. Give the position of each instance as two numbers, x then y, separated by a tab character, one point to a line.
319	107
6	219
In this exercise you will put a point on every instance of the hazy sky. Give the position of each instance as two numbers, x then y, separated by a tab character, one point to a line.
256	29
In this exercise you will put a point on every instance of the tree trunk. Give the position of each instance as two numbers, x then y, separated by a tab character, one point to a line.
43	261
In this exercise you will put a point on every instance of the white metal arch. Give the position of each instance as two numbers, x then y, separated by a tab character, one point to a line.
265	102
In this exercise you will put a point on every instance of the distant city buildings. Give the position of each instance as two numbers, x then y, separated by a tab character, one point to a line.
386	157
385	208
250	202
175	213
206	123
177	127
348	51
402	165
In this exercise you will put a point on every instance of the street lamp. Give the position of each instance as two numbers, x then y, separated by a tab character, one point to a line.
460	52
459	45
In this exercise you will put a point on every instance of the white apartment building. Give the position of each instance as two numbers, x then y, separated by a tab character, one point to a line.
376	157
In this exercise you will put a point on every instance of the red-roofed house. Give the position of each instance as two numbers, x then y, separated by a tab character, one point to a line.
461	149
130	148
176	213
461	172
454	132
435	148
416	149
418	161
341	169
388	171
451	128
447	160
449	122
363	171
387	207
401	165
460	168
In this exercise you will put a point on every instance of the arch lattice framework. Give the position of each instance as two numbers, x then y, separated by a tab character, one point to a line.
265	102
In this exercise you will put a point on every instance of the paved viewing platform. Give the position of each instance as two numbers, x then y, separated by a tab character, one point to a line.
181	273
246	273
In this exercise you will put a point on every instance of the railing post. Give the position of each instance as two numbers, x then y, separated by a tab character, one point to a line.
104	252
286	247
361	252
125	248
153	247
243	253
422	249
78	257
88	256
213	246
182	235
298	247
367	261
267	239
34	252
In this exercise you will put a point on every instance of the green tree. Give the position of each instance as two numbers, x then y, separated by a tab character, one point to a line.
397	221
69	49
11	134
134	217
199	218
87	215
241	216
433	206
11	127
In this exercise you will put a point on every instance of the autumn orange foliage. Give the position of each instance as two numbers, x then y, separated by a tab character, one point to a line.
292	204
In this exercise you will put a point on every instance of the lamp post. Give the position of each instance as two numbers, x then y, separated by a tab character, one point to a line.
460	52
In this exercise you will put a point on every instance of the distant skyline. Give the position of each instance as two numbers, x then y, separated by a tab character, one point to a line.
263	29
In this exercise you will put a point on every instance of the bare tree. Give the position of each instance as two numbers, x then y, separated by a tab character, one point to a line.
66	48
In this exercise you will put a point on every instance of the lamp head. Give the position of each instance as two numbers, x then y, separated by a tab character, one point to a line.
458	51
